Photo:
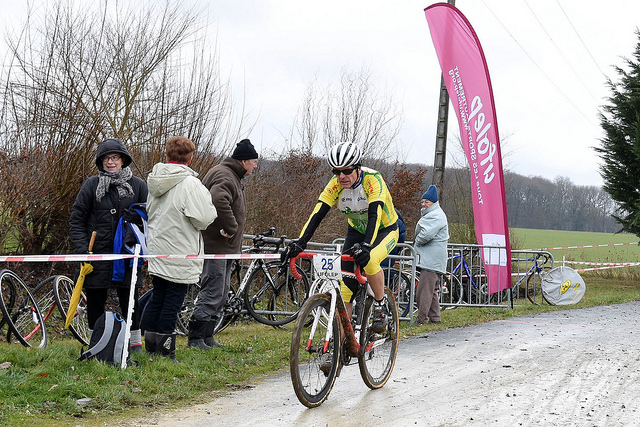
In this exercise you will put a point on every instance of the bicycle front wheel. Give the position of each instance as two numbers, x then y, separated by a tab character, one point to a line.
378	351
21	312
44	295
314	361
79	326
273	296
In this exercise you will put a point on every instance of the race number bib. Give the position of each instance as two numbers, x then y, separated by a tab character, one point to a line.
327	266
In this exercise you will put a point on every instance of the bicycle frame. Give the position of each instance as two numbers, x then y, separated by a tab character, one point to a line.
234	305
332	287
266	290
465	267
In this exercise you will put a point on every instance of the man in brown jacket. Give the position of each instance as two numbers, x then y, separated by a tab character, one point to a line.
223	236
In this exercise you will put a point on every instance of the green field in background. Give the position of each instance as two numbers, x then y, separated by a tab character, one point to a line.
524	238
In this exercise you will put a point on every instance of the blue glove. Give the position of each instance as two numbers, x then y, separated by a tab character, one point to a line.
362	254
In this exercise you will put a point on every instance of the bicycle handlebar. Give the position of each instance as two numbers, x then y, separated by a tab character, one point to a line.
267	237
362	279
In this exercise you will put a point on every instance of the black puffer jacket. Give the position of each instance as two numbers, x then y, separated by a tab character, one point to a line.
88	215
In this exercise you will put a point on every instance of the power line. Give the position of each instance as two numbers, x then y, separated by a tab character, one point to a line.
581	41
560	52
536	64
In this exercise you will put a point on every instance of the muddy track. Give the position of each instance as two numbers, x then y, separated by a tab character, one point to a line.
572	367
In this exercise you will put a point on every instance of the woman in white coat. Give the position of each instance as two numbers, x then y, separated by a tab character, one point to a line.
179	207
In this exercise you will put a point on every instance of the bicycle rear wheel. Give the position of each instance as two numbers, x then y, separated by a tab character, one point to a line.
79	326
188	305
25	320
378	351
275	300
534	287
451	291
313	362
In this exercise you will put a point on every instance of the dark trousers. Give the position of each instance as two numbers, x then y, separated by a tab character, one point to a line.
427	297
215	281
97	298
161	313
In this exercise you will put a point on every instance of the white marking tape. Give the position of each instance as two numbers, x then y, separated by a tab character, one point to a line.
581	247
604	265
111	257
617	264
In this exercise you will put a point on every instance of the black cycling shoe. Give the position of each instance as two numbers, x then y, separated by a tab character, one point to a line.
380	316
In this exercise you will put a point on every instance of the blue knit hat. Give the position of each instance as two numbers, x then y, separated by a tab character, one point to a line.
431	194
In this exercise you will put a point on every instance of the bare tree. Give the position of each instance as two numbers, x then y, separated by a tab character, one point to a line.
76	76
354	110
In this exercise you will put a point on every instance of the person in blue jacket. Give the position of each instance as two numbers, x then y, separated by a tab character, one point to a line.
431	237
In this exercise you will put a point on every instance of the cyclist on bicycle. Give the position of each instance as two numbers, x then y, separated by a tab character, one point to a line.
372	232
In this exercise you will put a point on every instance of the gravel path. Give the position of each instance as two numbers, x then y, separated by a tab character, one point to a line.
571	367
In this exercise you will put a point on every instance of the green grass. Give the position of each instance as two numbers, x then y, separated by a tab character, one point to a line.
536	239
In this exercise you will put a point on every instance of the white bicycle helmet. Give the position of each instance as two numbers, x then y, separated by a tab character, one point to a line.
344	154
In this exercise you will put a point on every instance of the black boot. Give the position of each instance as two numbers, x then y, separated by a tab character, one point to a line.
208	336
197	331
166	346
151	341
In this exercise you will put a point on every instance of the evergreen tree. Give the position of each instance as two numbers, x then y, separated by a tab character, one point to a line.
620	148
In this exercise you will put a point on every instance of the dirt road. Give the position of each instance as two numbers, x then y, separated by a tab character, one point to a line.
572	367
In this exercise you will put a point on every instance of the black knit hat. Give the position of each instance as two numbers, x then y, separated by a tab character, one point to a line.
244	151
109	146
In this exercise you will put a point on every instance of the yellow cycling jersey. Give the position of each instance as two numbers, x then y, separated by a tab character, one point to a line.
354	202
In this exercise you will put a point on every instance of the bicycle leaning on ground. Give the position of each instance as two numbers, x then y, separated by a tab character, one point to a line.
325	338
20	312
53	296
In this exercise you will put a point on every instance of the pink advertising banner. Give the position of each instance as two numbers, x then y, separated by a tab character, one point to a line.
467	79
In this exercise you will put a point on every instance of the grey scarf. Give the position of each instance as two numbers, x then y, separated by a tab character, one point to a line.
119	179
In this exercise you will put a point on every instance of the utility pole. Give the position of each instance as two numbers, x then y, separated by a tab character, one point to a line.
441	134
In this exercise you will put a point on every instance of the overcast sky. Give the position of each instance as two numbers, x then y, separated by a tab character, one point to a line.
548	61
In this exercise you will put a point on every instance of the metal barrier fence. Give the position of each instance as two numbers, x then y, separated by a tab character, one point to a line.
465	283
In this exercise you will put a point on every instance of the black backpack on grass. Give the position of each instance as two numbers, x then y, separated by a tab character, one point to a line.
107	339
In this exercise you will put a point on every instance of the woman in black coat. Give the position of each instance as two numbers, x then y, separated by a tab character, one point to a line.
98	207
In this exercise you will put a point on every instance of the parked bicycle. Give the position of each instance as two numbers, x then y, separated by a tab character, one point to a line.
474	288
325	338
20	312
533	280
450	289
263	289
52	296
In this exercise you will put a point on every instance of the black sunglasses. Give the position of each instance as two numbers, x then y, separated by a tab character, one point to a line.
347	171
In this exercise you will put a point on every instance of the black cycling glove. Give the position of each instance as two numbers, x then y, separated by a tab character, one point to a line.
292	250
362	254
